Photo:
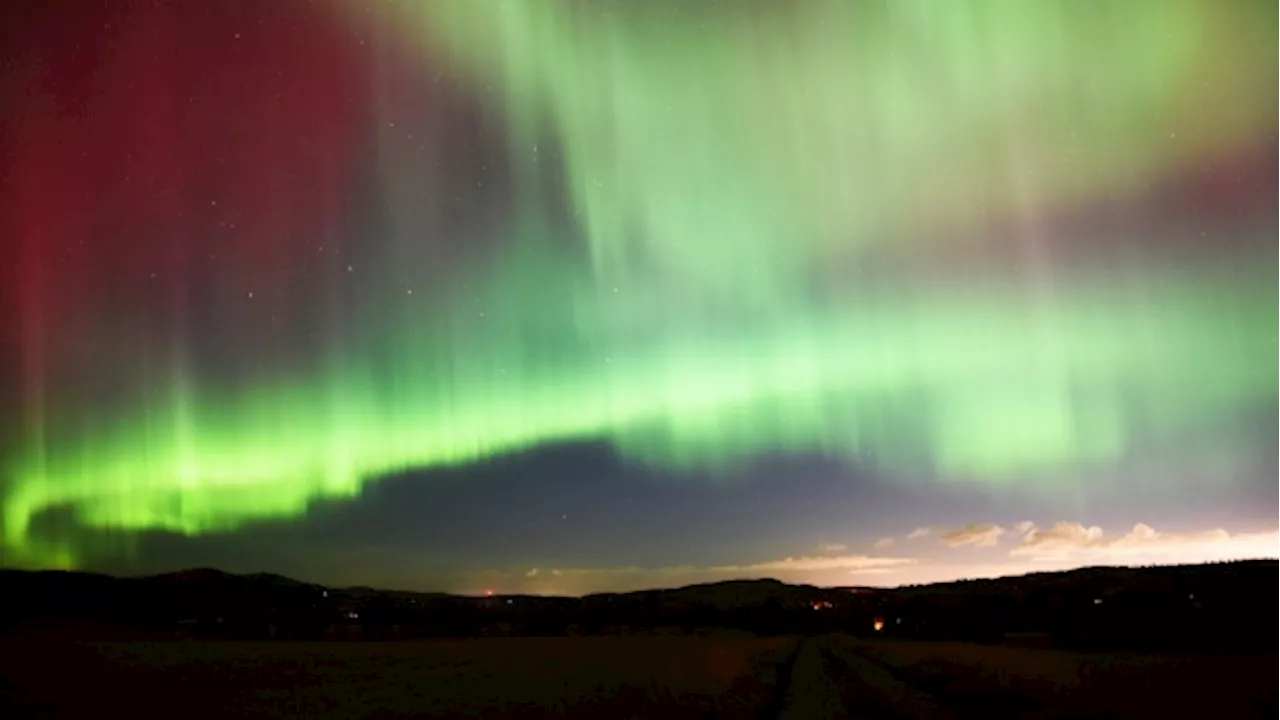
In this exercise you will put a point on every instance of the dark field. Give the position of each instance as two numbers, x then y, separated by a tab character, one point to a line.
994	681
621	677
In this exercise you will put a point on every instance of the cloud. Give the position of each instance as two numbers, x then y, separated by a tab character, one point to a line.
816	569
842	562
802	563
884	542
874	571
975	535
832	547
918	533
1030	549
1143	544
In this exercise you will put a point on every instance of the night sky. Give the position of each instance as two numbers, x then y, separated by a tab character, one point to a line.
554	297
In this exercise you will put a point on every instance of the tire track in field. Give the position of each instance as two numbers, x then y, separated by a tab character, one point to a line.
809	693
826	680
873	691
783	684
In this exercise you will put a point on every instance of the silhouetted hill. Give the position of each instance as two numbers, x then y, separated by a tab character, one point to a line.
1191	607
1210	606
723	595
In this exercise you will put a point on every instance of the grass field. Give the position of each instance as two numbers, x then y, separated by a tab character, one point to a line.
671	678
606	677
994	681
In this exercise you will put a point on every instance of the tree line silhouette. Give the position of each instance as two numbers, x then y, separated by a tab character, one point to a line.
1213	607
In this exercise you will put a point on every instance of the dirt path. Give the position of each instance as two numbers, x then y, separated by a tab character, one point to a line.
811	694
829	682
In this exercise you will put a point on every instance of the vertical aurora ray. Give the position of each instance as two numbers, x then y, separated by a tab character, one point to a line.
740	149
757	251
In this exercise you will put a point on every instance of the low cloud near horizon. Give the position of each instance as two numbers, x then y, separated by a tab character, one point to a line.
825	570
1142	543
852	563
972	551
1066	541
974	535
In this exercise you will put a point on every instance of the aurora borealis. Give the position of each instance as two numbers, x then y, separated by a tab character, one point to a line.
265	256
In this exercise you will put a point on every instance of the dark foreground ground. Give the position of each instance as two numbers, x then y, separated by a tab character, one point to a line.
623	677
620	677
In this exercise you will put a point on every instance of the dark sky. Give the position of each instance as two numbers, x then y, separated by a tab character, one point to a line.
562	297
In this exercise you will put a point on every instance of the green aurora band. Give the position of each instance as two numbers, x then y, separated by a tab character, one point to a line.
733	176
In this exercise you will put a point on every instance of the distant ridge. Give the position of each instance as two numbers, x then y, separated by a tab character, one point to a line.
762	588
1170	608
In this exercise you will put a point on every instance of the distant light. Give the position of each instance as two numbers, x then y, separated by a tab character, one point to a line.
1097	601
324	593
1191	596
878	624
488	593
509	601
897	621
